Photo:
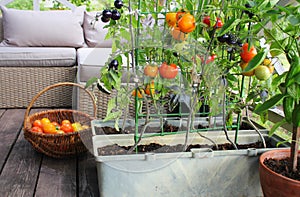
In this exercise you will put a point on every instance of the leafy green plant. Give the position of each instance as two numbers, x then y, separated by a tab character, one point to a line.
283	36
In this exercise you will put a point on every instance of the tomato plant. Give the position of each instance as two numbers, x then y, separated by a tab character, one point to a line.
168	71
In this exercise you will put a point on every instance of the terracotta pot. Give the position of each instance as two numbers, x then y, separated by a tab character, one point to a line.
274	184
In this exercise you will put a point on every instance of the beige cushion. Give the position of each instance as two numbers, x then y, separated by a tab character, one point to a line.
90	61
43	28
37	56
95	33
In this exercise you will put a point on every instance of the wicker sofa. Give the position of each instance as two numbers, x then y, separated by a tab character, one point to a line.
34	55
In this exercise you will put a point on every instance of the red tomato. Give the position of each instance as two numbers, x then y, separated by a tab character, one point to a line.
180	13
209	59
37	123
247	55
67	128
219	23
36	130
168	71
206	20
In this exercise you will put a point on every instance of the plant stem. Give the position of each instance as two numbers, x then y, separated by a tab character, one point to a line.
224	121
294	148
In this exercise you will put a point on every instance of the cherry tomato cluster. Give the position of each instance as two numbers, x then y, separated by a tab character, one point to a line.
46	126
181	22
108	14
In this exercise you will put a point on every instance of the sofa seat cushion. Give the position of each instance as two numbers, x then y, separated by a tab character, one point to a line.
90	61
37	56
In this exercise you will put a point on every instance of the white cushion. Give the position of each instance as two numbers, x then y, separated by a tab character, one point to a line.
43	28
94	32
90	61
37	56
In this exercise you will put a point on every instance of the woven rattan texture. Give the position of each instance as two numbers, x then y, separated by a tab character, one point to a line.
58	145
19	84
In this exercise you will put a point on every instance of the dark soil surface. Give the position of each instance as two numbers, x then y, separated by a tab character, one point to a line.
282	167
158	148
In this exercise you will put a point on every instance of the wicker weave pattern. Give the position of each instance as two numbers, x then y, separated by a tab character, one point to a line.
19	84
59	145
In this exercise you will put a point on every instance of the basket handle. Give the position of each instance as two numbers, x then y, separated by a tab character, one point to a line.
54	86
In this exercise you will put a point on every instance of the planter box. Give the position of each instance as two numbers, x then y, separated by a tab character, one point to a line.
201	172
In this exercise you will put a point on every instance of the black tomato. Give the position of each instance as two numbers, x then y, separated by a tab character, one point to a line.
223	38
115	15
118	4
104	19
106	13
114	64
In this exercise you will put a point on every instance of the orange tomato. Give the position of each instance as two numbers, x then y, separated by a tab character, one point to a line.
243	65
45	121
37	123
178	35
36	129
67	128
57	126
171	19
140	93
65	122
49	128
187	23
151	70
150	88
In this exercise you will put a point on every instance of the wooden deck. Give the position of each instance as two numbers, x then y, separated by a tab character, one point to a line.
25	172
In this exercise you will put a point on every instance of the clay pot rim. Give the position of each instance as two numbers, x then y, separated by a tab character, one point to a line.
264	156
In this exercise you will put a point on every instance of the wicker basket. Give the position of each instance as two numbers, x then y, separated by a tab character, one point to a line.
58	145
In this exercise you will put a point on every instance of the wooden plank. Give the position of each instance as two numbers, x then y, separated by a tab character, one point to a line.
87	176
57	178
11	123
2	112
20	173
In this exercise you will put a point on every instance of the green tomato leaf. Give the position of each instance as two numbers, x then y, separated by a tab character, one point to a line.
294	20
269	103
110	106
276	126
231	23
90	82
257	60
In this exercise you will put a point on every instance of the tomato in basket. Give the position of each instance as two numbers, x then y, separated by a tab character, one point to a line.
36	129
49	128
67	128
38	123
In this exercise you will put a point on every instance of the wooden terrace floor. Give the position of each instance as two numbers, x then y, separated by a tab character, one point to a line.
25	172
